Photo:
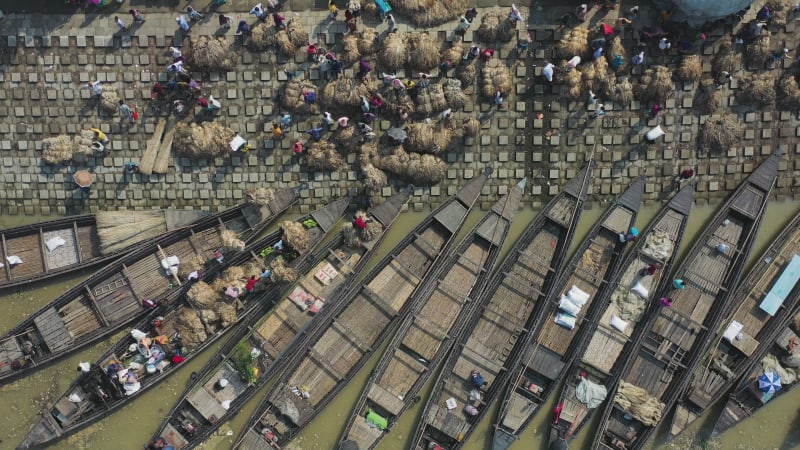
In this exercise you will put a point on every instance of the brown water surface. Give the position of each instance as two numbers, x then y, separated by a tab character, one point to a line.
130	428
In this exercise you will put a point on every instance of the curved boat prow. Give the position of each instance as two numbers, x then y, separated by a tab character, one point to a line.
502	439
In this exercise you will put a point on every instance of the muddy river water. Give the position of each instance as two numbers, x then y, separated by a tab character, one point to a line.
776	427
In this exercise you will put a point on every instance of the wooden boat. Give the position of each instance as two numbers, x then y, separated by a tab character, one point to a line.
61	246
506	305
765	303
120	293
439	311
625	302
199	412
564	320
748	397
343	342
165	341
678	334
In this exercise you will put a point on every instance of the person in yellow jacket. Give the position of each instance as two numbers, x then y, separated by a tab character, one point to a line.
100	136
334	11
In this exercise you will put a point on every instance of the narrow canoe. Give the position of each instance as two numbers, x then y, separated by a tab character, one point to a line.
115	296
361	321
199	412
65	245
557	334
625	301
675	337
103	388
765	303
439	310
505	309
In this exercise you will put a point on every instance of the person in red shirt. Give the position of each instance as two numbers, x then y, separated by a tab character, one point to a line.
487	54
251	283
360	223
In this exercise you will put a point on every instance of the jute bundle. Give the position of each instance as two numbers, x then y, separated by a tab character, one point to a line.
430	99
757	51
471	126
231	241
207	140
595	75
350	52
780	11
189	265
368	153
351	235
119	229
233	276
395	52
57	149
620	91
109	101
495	77
428	13
344	93
758	89
453	94
297	36
573	81
208	54
494	27
788	93
83	146
281	273
655	85
374	178
296	236
293	97
691	68
616	48
718	134
727	59
467	73
394	162
210	320
454	54
368	42
201	295
373	230
425	169
259	196
427	138
348	139
189	325
322	155
423	51
574	42
396	99
227	314
708	98
639	403
262	36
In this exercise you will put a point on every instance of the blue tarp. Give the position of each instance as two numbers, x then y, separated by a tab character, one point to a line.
781	289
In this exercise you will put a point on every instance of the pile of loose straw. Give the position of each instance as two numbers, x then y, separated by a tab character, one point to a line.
207	140
208	54
322	155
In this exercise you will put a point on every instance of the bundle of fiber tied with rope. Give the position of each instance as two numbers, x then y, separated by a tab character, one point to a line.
348	139
374	178
293	100
428	13
494	27
639	403
191	328
206	140
109	100
202	295
62	148
259	196
354	236
394	54
495	76
231	241
281	273
418	168
322	155
471	126
454	54
467	72
427	138
350	52
396	99
423	51
210	54
119	229
368	42
296	236
430	99
297	36
655	85
262	37
574	42
456	99
344	94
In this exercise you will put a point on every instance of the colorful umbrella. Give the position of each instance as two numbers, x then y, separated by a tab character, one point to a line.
769	382
83	178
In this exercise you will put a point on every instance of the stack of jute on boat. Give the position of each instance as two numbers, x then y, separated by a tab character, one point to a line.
563	320
630	292
128	288
56	247
772	372
257	348
439	311
506	305
764	304
684	322
369	313
156	346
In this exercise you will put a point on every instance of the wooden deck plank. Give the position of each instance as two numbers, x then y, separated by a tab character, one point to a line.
52	329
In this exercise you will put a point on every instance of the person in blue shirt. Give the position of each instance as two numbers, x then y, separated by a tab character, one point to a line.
243	27
316	133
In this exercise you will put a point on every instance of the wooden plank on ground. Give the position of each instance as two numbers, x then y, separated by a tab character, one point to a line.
162	159
149	158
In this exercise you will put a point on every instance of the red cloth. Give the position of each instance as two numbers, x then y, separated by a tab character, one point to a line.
607	29
360	223
251	284
177	359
